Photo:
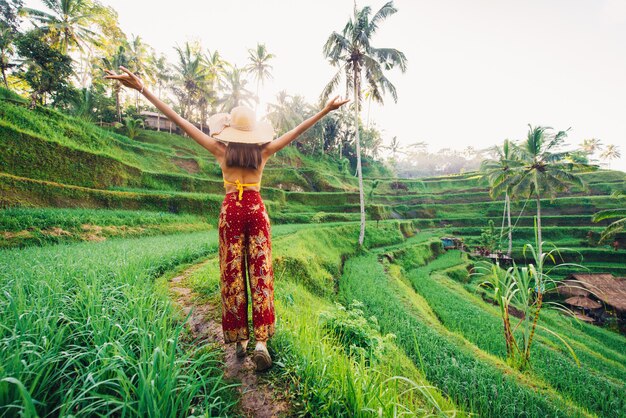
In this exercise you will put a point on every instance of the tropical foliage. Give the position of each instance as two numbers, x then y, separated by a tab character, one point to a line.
497	171
519	292
616	226
541	170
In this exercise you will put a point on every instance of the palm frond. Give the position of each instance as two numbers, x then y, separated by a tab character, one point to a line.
384	12
390	57
331	86
609	214
336	47
612	229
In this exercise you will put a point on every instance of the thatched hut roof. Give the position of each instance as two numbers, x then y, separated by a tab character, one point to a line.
583	302
152	114
605	287
584	318
572	287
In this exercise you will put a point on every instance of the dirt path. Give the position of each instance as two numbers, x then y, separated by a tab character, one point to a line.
258	397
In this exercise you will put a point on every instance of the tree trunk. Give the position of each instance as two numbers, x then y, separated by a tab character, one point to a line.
4	78
117	105
539	239
159	113
508	214
358	156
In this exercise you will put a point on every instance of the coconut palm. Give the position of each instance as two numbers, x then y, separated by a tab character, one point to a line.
68	22
394	147
357	59
611	152
497	172
191	77
162	76
259	65
591	145
287	112
216	69
280	114
542	170
7	49
120	58
236	92
139	61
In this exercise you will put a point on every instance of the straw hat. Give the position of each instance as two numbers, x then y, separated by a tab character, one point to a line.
240	125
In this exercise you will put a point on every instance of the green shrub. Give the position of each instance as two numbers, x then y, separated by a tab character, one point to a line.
360	336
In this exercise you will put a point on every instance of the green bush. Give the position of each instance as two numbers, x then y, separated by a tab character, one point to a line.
360	336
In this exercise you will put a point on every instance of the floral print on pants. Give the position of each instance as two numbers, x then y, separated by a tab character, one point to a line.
245	247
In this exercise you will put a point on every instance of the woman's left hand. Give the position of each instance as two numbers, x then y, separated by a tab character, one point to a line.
127	78
335	103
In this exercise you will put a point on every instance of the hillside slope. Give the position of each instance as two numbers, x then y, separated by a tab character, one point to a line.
53	160
396	328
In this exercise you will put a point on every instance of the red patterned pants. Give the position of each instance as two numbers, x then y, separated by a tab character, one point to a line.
245	247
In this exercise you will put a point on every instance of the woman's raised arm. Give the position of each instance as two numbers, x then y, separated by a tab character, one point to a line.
130	80
288	137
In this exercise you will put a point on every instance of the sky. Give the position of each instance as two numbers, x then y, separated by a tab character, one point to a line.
478	71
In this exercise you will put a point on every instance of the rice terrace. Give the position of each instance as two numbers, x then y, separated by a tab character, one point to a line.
446	194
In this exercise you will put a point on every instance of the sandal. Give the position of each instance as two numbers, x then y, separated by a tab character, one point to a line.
262	360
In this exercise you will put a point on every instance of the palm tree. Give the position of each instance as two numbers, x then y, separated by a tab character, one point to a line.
542	170
216	69
280	114
6	51
236	92
352	52
162	75
259	65
611	152
68	22
591	145
497	172
119	58
394	147
138	59
191	76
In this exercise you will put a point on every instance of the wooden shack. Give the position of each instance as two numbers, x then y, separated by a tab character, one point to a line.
159	122
595	295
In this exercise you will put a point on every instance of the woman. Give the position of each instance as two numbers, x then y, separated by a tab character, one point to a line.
241	146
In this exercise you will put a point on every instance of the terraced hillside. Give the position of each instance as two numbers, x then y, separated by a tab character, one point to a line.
52	160
398	327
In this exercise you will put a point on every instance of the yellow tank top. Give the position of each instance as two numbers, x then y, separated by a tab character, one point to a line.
240	186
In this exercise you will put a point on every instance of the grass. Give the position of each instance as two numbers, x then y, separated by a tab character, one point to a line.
87	331
471	381
597	385
322	377
38	226
87	327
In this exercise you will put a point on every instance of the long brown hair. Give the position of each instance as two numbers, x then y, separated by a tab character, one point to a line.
243	155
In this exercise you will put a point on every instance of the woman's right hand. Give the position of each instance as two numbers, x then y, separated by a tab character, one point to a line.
335	103
128	79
